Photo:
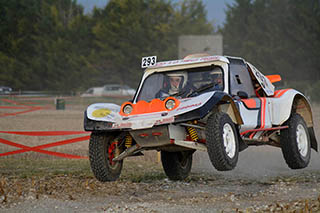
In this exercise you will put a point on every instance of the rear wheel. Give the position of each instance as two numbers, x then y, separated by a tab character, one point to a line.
177	165
222	141
295	143
102	149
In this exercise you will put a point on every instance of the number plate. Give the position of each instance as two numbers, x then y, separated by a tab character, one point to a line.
263	81
148	61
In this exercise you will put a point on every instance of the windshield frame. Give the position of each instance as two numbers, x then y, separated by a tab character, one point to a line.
199	70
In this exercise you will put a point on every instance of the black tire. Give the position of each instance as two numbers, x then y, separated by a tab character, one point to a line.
221	158
176	165
102	166
295	142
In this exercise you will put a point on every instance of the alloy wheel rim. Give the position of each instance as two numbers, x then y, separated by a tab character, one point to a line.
302	140
229	140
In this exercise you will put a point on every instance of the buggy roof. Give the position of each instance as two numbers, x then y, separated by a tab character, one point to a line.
186	63
196	60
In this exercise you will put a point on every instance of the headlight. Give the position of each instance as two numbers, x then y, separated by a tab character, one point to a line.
127	109
170	104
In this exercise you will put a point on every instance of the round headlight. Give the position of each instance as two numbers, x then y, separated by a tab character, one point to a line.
127	109
170	104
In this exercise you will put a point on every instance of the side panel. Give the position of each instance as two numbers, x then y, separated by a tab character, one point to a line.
255	113
281	105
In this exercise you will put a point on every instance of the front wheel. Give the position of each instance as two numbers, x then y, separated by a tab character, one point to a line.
176	165
295	143
222	141
102	149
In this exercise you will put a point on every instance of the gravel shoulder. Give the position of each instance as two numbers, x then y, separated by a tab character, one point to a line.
143	187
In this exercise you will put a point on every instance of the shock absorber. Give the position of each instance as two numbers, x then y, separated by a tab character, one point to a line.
128	142
192	132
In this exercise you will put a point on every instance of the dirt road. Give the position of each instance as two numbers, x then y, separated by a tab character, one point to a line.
260	182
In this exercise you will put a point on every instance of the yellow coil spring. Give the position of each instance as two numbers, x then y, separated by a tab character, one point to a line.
193	133
128	142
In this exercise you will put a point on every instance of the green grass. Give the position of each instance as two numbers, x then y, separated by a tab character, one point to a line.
25	168
133	170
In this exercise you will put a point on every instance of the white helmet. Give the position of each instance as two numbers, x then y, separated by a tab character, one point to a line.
216	73
180	74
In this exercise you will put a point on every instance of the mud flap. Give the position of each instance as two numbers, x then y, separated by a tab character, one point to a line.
314	143
242	144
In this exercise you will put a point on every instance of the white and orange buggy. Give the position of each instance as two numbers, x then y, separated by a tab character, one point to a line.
216	104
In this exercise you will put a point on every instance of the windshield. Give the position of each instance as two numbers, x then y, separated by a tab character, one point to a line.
181	83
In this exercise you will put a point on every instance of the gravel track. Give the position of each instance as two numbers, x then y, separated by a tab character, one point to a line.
261	182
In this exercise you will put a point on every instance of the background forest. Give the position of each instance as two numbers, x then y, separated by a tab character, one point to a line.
53	45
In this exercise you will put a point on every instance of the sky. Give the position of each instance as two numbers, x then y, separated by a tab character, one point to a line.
215	8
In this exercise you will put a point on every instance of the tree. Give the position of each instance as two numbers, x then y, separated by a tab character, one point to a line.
190	18
280	36
52	45
60	46
16	47
128	30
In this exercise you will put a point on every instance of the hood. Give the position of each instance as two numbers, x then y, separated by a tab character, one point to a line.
108	112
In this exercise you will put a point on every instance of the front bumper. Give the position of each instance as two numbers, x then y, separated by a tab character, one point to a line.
166	137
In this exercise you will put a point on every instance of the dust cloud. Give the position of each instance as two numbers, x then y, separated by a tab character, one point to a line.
255	163
258	162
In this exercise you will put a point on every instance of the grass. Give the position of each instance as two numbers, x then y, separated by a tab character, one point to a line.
133	170
26	168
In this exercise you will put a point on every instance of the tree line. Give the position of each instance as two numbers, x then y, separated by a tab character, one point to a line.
54	45
279	37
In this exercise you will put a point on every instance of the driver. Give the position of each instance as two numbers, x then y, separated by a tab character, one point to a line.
177	83
216	76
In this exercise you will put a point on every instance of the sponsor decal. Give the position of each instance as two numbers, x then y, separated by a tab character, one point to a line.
121	125
189	106
263	81
187	61
100	113
164	121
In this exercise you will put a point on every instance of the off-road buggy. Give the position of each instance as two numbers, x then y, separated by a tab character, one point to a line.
210	103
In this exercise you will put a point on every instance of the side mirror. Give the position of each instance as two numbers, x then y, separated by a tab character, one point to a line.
242	94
